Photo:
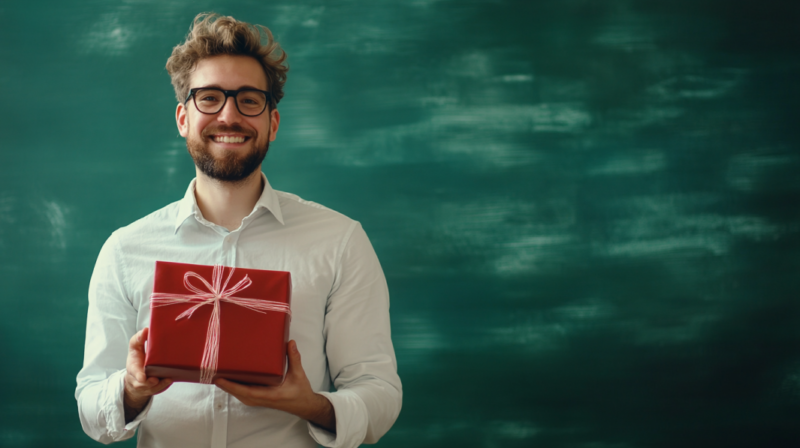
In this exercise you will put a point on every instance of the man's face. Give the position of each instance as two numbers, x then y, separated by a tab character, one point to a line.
248	137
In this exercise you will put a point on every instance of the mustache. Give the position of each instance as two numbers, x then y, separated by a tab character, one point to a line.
208	132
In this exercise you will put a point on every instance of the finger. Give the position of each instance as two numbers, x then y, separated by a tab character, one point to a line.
137	341
231	387
152	383
240	390
162	386
295	362
135	369
141	382
135	364
139	377
132	382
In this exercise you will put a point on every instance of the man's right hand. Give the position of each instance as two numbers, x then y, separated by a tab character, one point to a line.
139	388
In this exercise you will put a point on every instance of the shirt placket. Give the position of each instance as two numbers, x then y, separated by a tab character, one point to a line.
221	400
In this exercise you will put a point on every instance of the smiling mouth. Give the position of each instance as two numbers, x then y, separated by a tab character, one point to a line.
229	138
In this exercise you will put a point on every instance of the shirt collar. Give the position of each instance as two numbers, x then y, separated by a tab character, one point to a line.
188	205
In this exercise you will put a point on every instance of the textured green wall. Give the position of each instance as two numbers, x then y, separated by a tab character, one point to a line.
587	211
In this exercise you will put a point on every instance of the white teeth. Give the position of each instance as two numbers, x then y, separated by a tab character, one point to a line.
228	139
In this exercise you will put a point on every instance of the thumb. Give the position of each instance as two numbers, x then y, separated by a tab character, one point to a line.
295	363
143	338
137	341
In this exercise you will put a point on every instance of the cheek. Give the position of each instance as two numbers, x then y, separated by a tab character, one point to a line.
197	125
261	127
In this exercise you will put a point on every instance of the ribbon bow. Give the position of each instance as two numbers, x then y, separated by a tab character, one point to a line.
217	292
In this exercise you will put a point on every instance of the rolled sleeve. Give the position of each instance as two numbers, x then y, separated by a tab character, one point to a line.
352	427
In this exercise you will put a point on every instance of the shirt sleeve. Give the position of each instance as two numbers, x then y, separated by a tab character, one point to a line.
359	347
110	323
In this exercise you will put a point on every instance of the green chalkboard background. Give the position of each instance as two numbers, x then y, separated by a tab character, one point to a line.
587	210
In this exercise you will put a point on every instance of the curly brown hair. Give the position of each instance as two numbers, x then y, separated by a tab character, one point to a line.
212	35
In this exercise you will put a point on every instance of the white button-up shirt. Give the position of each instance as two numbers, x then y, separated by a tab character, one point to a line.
340	320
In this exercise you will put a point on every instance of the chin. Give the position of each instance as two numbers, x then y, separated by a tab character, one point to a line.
229	166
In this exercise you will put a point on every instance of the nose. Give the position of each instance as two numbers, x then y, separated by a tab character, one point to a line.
229	112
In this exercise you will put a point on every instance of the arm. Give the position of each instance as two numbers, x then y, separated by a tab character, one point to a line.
359	348
110	326
360	357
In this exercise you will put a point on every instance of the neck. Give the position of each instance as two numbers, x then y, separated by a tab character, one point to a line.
227	203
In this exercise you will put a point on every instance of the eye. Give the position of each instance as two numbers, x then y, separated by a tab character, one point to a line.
251	99
209	96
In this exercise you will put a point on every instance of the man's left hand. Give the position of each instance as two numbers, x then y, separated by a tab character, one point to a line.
294	396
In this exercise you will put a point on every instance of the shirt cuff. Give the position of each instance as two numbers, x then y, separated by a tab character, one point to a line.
351	421
115	409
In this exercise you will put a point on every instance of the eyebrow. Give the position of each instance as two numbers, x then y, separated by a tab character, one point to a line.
217	86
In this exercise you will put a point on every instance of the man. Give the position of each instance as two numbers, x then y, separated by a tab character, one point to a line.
228	85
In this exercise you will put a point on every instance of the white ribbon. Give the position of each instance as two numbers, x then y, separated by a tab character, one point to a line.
217	293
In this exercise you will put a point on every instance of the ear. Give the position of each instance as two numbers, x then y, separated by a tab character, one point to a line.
274	122
181	120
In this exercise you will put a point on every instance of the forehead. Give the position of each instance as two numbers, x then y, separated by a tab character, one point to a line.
229	73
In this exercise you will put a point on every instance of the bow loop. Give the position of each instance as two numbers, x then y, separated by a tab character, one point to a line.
195	289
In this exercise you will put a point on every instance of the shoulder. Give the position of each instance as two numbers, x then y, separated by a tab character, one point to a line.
154	226
300	212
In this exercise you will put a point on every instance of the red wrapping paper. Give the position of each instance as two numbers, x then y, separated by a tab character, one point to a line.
252	345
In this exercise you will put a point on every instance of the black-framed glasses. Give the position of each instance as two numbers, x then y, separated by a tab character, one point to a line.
211	100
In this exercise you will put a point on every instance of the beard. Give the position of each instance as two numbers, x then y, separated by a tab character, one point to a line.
231	167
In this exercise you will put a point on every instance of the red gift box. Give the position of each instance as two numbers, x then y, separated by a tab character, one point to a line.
210	322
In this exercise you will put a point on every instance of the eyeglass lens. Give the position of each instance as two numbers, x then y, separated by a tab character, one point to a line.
249	102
